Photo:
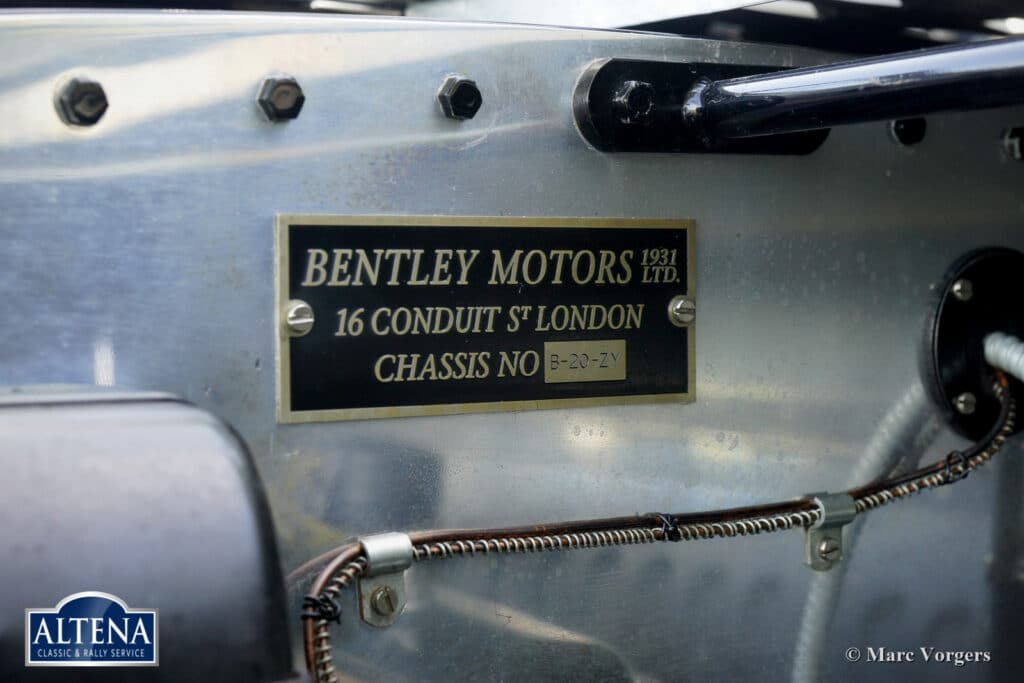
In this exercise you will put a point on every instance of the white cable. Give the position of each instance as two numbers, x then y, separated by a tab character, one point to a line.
1005	352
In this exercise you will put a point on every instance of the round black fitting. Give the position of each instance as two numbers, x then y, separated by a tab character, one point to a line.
81	102
281	98
979	294
908	131
634	102
460	98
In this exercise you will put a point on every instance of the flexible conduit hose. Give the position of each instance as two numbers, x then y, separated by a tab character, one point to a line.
1005	352
908	428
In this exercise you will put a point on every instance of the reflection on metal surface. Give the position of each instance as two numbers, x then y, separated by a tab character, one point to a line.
103	363
814	273
591	14
348	7
585	437
511	619
229	159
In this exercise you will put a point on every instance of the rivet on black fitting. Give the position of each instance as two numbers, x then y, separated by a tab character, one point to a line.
908	131
81	102
281	98
1012	143
460	98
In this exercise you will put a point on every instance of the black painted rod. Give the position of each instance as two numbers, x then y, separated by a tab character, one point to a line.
961	77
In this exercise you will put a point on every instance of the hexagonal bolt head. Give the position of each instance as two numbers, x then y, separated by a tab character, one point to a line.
634	102
281	98
460	98
81	102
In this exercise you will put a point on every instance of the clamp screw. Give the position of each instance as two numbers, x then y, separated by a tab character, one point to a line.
298	318
829	550
281	98
460	98
384	601
81	102
963	289
682	311
965	403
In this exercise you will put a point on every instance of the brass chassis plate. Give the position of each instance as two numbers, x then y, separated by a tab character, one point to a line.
285	412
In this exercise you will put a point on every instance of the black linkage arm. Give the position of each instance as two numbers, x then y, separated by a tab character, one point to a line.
957	78
645	106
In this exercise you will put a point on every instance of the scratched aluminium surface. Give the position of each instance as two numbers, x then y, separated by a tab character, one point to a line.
140	253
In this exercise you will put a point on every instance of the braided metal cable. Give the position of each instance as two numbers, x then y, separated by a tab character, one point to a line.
323	658
325	669
953	472
533	544
749	526
798	516
597	539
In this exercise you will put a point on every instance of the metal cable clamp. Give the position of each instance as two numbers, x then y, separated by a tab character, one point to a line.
382	585
823	541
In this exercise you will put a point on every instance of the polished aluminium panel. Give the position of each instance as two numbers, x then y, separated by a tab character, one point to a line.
139	253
